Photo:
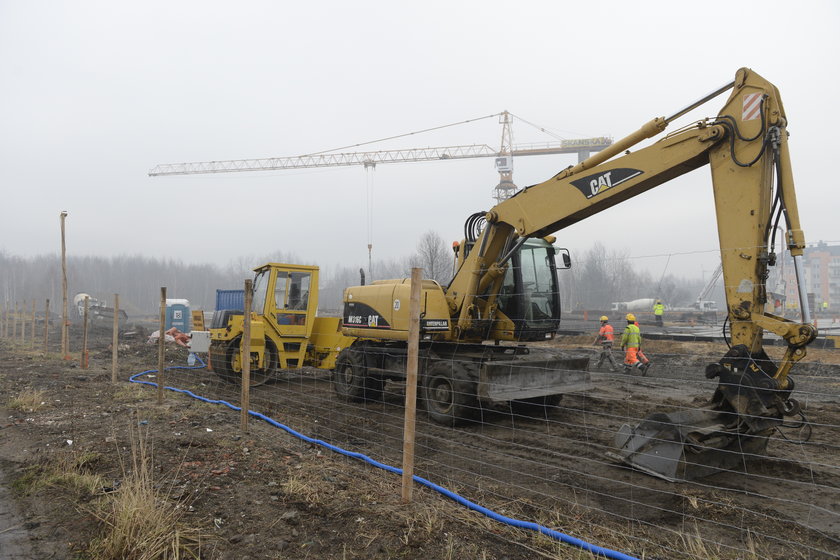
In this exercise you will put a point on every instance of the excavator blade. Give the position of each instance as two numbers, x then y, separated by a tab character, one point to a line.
533	376
687	444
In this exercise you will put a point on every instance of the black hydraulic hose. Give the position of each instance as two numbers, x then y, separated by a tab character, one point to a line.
778	166
732	133
728	122
474	225
723	332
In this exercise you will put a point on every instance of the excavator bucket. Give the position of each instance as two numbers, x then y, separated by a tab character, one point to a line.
746	408
688	444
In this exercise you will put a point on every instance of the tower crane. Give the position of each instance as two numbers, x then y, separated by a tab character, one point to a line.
504	157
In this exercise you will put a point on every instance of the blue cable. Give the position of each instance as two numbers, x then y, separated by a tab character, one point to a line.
557	535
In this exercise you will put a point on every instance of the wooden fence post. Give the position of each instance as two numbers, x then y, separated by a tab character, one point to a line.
411	385
65	320
161	343
115	339
246	357
23	323
84	363
33	324
47	327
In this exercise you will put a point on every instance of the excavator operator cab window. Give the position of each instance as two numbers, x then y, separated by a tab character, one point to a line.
529	295
291	297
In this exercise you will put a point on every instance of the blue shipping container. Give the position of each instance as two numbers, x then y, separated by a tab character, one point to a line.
230	299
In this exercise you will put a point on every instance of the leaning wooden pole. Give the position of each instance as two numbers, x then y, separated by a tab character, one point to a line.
246	357
65	320
411	385
115	338
161	345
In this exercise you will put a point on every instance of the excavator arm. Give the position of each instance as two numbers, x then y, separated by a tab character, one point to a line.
746	149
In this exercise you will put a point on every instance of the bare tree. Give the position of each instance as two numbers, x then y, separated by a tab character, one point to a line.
434	257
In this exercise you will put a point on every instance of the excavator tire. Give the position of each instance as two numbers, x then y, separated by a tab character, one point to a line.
448	391
351	380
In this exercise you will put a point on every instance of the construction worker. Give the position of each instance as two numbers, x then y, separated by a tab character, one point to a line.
605	338
631	343
640	354
658	311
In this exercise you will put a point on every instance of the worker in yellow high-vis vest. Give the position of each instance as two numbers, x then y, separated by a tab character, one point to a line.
658	311
631	343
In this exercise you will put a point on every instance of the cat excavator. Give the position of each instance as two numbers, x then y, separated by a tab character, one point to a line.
746	149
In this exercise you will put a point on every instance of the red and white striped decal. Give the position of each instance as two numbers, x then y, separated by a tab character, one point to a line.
752	107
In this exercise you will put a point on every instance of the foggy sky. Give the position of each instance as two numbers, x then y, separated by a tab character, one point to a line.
95	94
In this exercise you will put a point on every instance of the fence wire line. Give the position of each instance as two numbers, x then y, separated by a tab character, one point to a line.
518	523
364	434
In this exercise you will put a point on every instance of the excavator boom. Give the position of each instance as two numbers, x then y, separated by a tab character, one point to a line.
746	148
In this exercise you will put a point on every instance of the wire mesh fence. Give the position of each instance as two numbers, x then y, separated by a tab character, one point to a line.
552	463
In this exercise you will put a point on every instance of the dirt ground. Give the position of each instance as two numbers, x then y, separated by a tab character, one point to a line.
267	494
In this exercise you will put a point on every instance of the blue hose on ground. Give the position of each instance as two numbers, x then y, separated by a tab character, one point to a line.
562	537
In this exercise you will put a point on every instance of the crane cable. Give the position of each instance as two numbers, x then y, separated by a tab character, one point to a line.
662	277
543	129
404	135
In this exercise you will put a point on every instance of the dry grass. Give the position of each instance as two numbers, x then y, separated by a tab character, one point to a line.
140	522
305	488
65	470
28	400
131	393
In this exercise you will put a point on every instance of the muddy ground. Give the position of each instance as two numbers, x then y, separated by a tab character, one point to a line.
267	494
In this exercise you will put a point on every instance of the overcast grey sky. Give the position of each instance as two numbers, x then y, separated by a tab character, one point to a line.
94	94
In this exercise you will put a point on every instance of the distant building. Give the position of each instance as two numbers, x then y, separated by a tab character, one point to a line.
821	264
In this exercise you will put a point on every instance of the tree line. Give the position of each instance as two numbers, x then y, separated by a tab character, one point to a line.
597	278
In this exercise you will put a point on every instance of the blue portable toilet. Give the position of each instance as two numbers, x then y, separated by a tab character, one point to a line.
178	314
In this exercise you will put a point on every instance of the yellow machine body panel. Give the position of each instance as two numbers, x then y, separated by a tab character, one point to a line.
380	310
325	342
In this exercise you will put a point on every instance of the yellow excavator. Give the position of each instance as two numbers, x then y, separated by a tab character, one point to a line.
505	290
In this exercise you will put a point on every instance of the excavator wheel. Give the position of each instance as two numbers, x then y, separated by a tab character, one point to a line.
351	380
449	392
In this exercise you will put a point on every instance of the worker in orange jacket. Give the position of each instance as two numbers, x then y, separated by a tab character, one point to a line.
606	337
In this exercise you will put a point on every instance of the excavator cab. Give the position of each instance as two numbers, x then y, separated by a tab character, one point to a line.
530	296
